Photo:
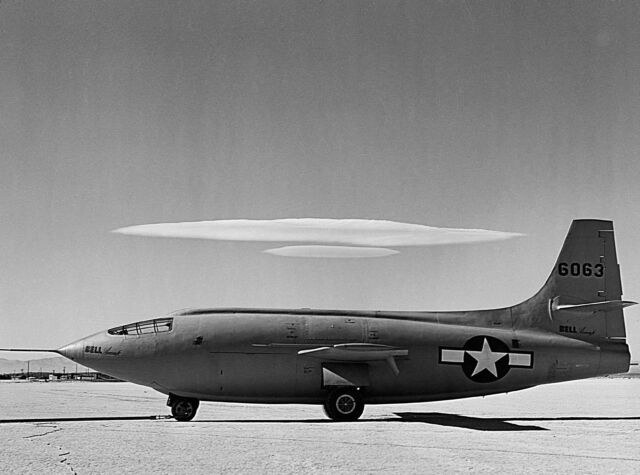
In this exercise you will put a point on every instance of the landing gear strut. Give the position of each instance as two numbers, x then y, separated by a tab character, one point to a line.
344	404
182	409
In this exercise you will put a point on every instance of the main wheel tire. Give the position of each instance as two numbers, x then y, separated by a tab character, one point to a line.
344	404
184	410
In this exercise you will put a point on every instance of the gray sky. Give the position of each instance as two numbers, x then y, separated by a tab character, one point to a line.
513	116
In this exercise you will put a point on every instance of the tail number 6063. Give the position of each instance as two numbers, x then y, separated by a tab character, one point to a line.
580	269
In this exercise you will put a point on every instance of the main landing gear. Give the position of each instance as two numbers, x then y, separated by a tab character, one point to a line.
182	409
344	404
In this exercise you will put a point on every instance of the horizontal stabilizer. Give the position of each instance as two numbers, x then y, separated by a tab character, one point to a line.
358	352
606	306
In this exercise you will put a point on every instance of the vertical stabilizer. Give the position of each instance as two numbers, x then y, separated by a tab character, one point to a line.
582	297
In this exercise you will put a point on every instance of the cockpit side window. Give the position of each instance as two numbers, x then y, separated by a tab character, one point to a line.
158	325
145	327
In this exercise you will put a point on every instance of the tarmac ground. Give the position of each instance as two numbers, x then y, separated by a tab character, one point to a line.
590	426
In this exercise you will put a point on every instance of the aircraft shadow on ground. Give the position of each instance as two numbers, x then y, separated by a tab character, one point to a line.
435	418
492	423
466	422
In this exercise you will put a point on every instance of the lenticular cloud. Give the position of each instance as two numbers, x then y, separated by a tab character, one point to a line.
331	252
338	232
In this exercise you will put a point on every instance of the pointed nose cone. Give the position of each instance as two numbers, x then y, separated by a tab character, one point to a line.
73	351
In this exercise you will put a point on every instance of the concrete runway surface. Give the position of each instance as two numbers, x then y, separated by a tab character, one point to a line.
590	426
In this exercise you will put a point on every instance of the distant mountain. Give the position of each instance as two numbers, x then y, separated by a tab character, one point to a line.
56	364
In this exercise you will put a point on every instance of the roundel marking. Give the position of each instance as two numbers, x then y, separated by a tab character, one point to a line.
485	359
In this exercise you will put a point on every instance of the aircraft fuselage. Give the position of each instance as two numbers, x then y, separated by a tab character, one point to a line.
258	355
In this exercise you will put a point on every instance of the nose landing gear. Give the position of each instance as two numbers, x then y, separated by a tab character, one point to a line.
182	409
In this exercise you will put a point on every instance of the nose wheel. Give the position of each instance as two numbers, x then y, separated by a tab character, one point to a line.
183	409
344	404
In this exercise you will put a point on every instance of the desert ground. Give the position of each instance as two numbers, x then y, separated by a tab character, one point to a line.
590	426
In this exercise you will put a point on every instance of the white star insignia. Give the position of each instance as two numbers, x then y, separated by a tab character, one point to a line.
486	359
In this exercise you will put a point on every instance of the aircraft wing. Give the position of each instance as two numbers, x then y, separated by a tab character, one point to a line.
358	352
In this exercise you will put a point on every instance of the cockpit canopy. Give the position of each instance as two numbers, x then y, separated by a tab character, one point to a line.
157	325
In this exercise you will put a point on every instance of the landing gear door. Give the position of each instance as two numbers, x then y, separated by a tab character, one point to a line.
345	374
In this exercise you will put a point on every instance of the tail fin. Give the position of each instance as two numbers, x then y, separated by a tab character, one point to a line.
583	294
